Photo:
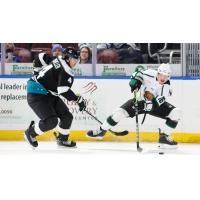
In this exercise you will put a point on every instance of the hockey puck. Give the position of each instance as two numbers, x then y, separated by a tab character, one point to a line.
139	149
161	153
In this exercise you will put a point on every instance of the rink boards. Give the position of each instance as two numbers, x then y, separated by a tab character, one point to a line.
17	135
15	114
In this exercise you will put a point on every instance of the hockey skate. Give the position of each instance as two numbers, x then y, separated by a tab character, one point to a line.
63	140
30	135
99	134
165	142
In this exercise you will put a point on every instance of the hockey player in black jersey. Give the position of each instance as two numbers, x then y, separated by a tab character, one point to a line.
43	93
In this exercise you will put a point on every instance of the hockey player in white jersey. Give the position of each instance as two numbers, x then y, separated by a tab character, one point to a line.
153	87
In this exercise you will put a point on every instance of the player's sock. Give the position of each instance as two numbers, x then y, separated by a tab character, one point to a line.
30	135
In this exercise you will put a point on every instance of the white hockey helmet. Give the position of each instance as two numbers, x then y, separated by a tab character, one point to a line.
164	69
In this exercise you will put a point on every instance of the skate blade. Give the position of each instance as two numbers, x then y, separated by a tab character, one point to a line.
167	147
98	137
30	145
65	147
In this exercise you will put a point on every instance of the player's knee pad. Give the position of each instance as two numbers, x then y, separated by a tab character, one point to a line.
118	115
173	118
49	123
171	123
175	114
66	120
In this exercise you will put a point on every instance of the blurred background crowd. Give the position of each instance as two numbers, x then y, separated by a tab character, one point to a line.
107	53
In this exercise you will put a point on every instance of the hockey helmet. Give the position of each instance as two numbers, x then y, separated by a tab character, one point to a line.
70	53
164	69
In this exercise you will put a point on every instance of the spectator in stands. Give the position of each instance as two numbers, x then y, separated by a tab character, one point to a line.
118	53
107	56
128	53
10	48
57	50
14	55
24	56
80	45
85	55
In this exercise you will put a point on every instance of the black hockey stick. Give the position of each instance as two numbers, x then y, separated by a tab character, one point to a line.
122	133
139	149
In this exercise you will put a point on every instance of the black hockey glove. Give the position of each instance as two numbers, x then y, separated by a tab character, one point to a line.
81	102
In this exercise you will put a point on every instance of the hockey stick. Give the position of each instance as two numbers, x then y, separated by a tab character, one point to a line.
122	133
139	149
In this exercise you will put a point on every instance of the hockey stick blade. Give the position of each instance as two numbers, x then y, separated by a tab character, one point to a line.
139	149
120	133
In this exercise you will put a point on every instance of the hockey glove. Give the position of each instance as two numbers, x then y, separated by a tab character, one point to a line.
81	102
135	85
151	101
148	96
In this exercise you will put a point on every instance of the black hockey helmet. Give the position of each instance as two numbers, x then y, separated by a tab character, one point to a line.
70	53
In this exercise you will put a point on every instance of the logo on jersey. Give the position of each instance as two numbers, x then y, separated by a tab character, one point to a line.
56	63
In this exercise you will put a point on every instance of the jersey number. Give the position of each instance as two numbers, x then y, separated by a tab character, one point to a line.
56	63
161	100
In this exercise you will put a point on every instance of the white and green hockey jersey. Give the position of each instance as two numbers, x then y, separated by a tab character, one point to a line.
149	82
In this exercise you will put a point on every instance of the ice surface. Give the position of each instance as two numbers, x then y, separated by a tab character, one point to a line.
93	148
98	170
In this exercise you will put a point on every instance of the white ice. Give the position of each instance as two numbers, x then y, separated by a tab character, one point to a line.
98	171
94	148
